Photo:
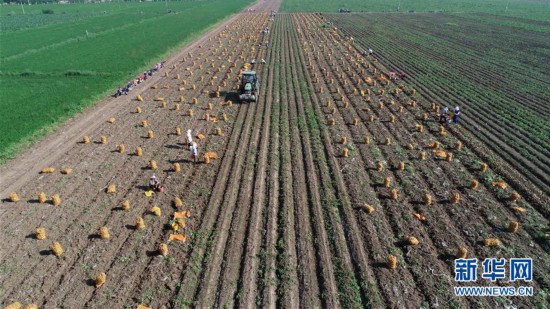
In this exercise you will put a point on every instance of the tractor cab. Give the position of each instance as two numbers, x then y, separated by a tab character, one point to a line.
248	89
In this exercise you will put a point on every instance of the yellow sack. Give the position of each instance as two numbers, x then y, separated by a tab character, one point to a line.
16	305
175	226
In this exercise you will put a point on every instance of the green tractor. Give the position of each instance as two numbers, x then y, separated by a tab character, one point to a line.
248	90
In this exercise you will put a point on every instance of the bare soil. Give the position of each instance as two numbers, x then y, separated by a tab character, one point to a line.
277	217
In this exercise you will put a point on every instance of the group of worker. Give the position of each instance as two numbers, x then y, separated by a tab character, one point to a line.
253	61
266	44
141	78
369	52
154	183
443	117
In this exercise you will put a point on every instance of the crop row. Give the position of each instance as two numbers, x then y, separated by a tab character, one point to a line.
520	145
344	97
130	171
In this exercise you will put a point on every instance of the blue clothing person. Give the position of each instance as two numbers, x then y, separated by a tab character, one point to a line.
457	113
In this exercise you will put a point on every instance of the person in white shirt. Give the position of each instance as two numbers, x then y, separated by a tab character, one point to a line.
443	116
194	152
189	140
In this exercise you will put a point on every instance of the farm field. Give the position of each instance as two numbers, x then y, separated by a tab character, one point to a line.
533	10
456	60
48	73
304	198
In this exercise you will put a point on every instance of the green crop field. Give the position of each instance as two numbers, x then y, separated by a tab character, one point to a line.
54	65
536	9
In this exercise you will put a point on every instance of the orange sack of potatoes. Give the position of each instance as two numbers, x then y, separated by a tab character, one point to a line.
211	155
182	214
178	237
501	184
440	153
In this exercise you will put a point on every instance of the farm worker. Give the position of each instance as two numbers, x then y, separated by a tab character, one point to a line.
371	51
266	44
455	116
263	61
402	75
443	116
253	61
154	183
189	140
194	152
392	75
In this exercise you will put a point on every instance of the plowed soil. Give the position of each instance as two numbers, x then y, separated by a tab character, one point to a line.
277	219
